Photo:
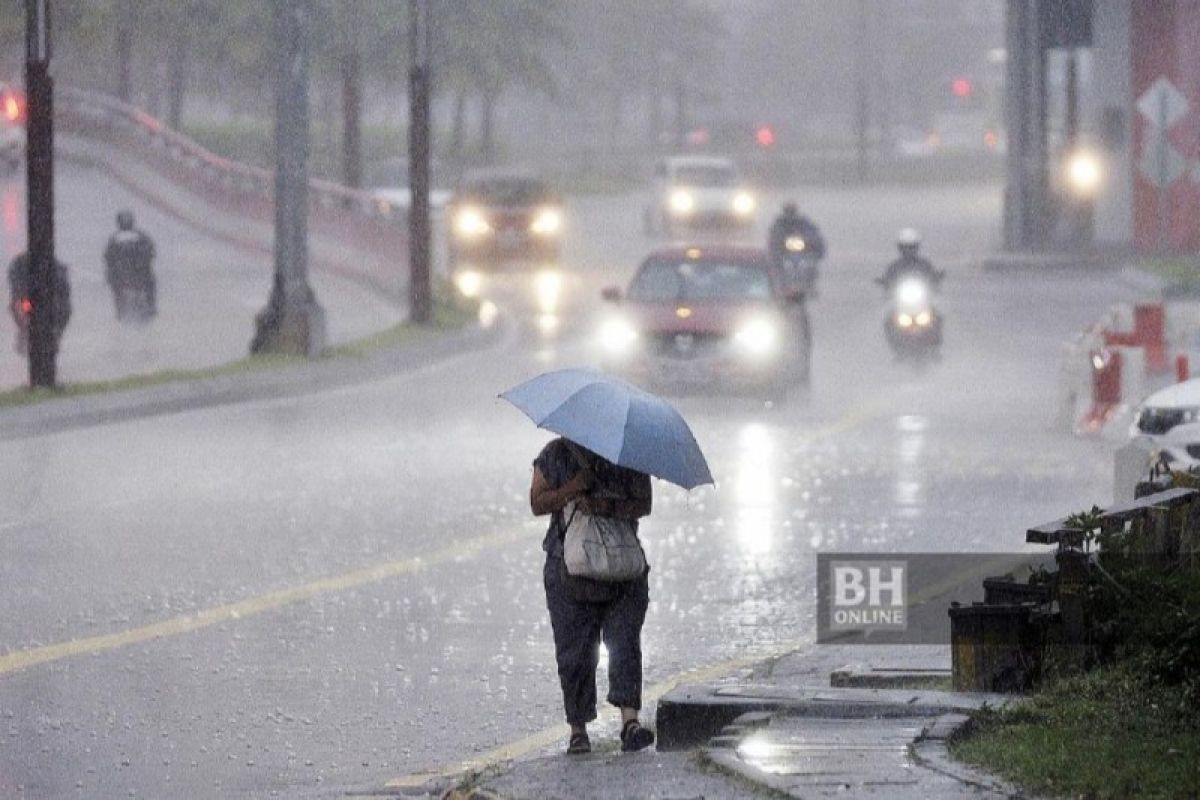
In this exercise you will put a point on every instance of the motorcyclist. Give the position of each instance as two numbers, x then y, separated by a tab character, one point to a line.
129	264
20	286
791	222
908	241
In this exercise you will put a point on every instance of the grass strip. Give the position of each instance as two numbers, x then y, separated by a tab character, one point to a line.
447	317
1104	734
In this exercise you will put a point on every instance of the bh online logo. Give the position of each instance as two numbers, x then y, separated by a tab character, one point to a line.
868	596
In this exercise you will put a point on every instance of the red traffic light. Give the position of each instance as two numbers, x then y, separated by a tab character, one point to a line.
962	87
764	136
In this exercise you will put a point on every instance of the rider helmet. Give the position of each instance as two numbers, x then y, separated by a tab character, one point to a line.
789	209
125	220
908	240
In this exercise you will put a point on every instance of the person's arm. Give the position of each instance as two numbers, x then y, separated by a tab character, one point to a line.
635	506
544	500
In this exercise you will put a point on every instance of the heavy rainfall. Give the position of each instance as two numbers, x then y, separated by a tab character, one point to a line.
906	269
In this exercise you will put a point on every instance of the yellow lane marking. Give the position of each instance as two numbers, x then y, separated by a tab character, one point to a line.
23	659
548	736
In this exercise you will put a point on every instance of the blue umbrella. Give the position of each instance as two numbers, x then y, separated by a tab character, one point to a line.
613	419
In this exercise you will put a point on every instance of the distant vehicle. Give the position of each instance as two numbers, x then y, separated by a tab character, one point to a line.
912	323
495	216
388	180
12	127
1169	421
709	318
697	192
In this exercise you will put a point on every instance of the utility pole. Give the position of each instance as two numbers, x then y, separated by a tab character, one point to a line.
125	50
420	296
863	110
293	322
39	90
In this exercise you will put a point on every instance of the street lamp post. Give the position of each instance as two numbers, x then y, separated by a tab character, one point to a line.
39	90
419	232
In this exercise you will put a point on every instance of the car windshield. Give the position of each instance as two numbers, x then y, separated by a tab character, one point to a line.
1160	420
508	191
672	281
708	175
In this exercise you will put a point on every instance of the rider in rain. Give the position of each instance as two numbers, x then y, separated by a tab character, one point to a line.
128	264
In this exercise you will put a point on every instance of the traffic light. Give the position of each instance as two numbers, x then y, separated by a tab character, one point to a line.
962	87
765	136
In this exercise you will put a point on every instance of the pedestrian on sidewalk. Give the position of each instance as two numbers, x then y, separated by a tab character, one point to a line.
584	612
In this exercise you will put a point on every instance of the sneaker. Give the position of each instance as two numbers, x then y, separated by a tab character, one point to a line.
579	744
634	737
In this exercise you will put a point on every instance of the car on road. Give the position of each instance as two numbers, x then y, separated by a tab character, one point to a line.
12	127
698	192
1169	422
501	216
708	318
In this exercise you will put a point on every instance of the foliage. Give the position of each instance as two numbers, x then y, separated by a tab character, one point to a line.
1109	733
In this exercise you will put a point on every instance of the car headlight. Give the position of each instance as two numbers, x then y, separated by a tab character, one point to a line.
904	320
547	222
758	337
743	204
1084	173
617	337
469	283
470	223
923	319
682	201
912	292
547	288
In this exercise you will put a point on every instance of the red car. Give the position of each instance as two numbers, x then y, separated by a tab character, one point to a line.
719	317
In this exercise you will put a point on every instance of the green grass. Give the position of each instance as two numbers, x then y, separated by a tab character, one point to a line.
447	316
1177	269
1105	734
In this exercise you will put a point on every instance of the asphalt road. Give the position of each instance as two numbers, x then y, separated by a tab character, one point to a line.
317	595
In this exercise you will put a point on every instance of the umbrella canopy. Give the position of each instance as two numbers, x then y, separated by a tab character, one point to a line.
618	421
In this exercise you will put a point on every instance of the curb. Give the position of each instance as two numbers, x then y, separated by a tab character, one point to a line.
54	415
932	751
689	716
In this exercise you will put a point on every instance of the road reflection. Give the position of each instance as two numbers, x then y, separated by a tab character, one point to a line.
908	492
756	489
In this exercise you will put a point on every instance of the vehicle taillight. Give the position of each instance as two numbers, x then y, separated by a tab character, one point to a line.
12	106
25	305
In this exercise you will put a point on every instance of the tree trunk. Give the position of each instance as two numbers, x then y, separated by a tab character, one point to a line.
177	64
351	65
125	50
458	131
487	125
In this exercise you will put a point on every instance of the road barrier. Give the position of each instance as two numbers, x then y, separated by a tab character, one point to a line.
1106	371
353	218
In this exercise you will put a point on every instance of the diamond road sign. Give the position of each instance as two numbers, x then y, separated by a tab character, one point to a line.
1161	164
1162	104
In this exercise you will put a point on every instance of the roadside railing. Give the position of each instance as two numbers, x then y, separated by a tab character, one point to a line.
355	218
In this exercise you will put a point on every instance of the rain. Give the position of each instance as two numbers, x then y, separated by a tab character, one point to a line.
312	570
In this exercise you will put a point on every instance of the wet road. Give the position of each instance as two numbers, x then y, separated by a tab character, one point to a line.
309	596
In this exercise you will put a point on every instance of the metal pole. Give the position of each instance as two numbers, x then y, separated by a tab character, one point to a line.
863	113
39	89
419	232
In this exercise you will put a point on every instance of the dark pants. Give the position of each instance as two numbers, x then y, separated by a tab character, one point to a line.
578	630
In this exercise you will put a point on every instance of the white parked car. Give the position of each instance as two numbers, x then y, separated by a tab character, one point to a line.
1169	422
698	192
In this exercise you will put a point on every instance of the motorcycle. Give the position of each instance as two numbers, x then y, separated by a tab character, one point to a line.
913	325
133	303
800	264
22	309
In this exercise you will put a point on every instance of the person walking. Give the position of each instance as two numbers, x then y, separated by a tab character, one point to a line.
584	612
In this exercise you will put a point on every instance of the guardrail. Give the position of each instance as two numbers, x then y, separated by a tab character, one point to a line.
354	218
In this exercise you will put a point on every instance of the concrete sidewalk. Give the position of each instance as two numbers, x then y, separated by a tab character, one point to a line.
777	730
